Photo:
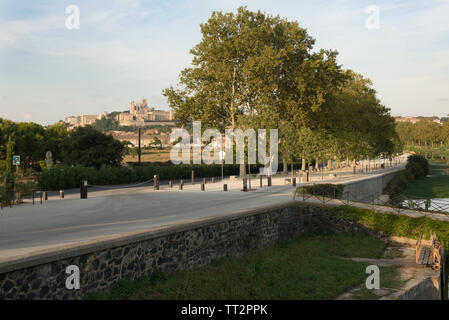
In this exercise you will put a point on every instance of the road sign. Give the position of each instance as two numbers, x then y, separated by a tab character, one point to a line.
16	160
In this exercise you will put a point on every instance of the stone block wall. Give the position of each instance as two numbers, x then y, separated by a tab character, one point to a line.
169	250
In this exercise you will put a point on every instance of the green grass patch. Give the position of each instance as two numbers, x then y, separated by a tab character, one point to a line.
436	185
394	224
306	267
389	280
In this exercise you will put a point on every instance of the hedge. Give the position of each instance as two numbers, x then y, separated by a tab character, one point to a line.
417	166
324	189
394	224
66	177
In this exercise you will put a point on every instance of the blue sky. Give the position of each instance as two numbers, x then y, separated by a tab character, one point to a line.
129	49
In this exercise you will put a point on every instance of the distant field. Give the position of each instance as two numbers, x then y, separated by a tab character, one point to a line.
307	267
150	156
436	185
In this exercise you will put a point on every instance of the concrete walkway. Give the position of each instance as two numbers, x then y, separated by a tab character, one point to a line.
400	253
27	230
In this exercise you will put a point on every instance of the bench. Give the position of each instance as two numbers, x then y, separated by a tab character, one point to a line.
428	254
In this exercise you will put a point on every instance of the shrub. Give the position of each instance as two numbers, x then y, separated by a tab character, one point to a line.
415	169
417	166
325	189
421	161
66	177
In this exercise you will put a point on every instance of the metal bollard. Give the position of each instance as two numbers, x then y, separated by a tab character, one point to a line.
269	181
181	185
83	189
202	187
225	187
61	194
294	182
156	182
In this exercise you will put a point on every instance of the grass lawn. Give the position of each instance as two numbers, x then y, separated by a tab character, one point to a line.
307	267
436	185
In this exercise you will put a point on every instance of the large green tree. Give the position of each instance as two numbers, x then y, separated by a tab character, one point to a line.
89	147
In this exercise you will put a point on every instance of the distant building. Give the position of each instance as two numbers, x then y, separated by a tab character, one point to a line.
89	119
73	120
407	119
140	113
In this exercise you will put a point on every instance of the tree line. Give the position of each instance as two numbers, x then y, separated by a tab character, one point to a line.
31	141
254	70
423	133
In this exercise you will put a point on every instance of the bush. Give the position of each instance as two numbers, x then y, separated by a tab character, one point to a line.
421	161
326	189
66	177
417	166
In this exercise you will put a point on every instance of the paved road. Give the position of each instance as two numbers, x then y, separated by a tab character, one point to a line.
29	230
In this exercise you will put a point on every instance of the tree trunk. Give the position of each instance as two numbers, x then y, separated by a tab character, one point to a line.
303	164
284	168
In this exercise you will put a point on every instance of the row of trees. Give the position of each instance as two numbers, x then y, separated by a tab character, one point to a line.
423	133
255	70
31	141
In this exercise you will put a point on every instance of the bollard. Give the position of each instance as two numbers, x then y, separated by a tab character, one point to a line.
202	187
45	195
261	181
170	184
83	189
269	181
294	182
245	185
156	182
181	184
225	187
61	194
213	179
193	177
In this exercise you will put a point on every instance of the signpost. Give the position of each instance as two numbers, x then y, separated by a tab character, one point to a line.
16	160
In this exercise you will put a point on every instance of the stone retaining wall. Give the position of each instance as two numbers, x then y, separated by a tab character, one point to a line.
169	250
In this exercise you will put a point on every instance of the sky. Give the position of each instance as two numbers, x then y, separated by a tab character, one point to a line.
125	50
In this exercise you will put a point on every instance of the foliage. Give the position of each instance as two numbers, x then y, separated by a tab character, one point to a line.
106	124
66	177
8	184
89	147
264	71
417	167
306	267
394	224
325	189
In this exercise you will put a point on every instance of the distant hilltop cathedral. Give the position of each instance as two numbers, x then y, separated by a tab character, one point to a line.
138	115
